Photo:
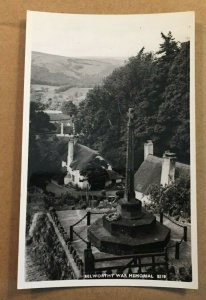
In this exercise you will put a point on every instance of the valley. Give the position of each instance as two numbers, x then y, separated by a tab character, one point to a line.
56	79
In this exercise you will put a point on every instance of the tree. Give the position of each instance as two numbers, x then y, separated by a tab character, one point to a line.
69	108
173	114
169	48
44	160
157	87
39	121
96	174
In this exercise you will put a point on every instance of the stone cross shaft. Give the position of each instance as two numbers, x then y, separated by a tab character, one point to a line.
129	187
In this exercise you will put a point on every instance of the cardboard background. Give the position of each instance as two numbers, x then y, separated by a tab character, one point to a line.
12	42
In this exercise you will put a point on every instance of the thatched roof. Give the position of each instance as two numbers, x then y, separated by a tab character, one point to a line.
82	156
149	173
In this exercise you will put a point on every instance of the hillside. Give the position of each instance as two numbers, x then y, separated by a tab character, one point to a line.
58	70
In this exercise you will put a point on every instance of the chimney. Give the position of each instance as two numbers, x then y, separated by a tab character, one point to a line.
168	168
148	148
70	155
62	129
72	141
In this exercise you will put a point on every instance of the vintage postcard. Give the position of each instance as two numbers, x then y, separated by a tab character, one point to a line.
108	188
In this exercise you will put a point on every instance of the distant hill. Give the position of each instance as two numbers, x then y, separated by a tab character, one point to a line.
49	69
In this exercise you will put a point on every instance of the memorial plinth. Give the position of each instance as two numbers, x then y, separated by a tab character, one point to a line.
129	235
133	230
131	210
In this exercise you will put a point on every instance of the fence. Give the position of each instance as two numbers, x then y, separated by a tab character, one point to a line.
72	231
184	237
135	260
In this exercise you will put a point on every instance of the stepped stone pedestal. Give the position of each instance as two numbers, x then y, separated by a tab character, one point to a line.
134	231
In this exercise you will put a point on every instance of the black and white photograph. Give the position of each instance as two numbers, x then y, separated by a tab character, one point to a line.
108	179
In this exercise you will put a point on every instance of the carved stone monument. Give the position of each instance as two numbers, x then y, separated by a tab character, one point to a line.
133	230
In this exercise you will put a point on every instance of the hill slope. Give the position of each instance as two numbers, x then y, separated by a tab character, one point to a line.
60	70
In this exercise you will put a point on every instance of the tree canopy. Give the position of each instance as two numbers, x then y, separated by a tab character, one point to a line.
44	160
69	108
96	173
156	85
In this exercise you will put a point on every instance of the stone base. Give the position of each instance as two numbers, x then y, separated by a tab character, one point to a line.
131	210
130	227
144	242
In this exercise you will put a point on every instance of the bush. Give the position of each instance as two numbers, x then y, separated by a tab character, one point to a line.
183	273
173	199
48	250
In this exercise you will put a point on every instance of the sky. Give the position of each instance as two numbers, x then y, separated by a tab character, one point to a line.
104	35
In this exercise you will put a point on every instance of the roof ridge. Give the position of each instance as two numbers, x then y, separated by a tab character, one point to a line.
160	159
86	147
149	173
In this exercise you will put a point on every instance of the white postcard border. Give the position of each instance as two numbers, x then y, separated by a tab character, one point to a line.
22	284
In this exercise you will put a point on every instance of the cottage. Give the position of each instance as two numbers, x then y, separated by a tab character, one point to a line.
77	158
56	116
156	170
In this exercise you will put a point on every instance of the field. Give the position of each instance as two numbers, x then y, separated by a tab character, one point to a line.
54	96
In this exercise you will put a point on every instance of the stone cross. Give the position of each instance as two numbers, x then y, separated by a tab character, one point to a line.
129	187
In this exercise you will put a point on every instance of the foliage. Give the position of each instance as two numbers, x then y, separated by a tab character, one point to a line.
157	87
173	199
48	250
69	108
95	173
39	121
44	160
183	273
